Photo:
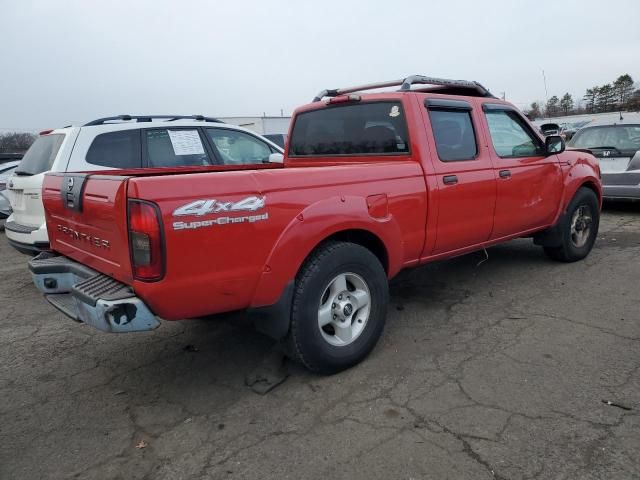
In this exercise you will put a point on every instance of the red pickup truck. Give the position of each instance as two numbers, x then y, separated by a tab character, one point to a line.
371	183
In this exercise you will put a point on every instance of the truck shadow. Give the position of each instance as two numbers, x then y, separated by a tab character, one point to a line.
201	365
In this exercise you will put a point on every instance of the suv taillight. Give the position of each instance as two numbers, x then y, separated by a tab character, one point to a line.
145	241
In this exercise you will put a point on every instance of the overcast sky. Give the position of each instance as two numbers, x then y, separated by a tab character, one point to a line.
72	61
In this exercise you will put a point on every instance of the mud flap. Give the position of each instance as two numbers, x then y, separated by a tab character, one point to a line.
552	236
274	320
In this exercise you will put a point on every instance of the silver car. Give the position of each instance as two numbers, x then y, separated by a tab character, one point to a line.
6	169
616	144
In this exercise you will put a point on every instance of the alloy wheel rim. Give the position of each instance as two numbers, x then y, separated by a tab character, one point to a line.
344	309
581	222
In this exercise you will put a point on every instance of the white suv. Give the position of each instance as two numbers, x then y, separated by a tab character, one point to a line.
122	142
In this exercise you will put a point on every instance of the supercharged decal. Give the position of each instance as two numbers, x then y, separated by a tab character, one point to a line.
219	221
200	208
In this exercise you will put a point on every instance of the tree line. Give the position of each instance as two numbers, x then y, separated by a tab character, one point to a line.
617	95
16	142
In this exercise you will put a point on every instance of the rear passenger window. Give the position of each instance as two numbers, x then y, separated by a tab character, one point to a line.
119	149
175	148
371	128
453	133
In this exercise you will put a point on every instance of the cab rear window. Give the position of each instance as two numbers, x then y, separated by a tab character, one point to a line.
372	128
39	158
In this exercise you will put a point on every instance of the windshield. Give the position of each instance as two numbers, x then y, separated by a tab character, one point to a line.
621	137
40	156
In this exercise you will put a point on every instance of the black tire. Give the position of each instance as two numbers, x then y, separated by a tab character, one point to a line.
569	251
306	342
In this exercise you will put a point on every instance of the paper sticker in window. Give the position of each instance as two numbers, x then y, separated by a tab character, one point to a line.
186	142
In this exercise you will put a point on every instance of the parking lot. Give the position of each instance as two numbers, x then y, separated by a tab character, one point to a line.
496	368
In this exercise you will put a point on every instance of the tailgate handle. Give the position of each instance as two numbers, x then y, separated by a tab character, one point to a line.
71	190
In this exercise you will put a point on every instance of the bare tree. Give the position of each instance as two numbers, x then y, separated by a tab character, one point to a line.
534	111
16	142
634	101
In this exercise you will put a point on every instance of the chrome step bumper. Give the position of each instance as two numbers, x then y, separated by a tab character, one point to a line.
90	297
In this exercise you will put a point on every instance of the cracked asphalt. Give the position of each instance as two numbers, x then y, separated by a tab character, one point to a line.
487	369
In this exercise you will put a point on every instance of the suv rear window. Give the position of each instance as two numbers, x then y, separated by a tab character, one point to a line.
120	149
39	158
372	128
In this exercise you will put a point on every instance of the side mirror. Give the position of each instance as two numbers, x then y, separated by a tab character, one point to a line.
276	158
554	144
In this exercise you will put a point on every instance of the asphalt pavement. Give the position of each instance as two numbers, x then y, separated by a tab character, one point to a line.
506	367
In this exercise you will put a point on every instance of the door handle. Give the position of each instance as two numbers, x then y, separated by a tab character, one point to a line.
450	179
505	173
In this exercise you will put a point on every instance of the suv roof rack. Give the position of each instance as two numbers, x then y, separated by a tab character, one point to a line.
406	83
150	118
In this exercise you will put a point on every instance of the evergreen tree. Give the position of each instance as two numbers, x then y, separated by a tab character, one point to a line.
566	103
623	88
590	98
606	98
552	106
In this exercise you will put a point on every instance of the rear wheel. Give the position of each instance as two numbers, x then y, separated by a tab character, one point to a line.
339	307
578	228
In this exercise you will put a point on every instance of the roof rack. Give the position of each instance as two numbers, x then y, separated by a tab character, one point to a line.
150	118
405	86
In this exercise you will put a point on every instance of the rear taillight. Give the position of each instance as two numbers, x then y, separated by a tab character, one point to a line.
145	241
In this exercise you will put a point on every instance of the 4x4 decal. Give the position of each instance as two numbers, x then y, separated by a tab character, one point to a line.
200	208
205	207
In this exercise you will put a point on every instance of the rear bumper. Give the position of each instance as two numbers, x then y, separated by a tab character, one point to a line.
28	248
90	297
621	191
621	185
25	238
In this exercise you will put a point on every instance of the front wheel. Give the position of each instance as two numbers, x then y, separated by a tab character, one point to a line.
339	307
578	228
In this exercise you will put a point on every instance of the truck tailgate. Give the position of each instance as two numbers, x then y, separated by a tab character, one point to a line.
87	220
